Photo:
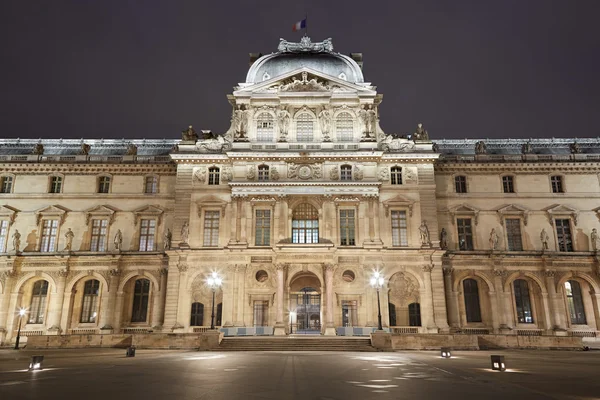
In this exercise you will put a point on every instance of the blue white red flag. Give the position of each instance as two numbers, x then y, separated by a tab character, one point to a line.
299	25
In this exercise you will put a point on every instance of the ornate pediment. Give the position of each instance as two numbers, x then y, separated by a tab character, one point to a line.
561	210
211	202
398	201
52	211
512	210
304	84
148	211
9	213
100	211
463	210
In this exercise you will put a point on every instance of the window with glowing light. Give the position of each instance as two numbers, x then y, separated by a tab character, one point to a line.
89	307
37	308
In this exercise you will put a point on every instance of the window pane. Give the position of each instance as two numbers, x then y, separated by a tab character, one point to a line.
147	234
37	307
396	176
3	235
263	227
508	184
523	302
197	318
346	173
461	184
264	128
563	234
471	294
347	228
344	127
465	234
304	128
575	302
399	229
7	182
48	239
513	234
140	300
263	173
98	242
213	176
211	228
89	308
55	184
305	224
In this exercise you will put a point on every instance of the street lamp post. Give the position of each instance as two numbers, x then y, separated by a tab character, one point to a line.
21	313
377	283
214	281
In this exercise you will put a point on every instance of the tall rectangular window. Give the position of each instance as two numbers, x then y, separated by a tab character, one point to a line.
151	185
304	128
263	228
55	184
104	184
211	228
513	234
465	234
37	308
49	232
3	235
563	234
396	176
6	184
147	234
141	299
213	176
261	312
349	313
460	183
557	184
98	242
347	228
508	184
89	307
399	229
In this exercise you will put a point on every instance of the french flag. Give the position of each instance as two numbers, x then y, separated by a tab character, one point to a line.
299	25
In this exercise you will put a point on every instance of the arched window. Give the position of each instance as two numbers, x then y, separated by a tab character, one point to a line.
264	127
89	307
471	293
304	128
346	173
38	302
414	314
213	176
575	303
392	310
197	314
344	127
396	176
151	185
141	296
263	173
305	224
523	302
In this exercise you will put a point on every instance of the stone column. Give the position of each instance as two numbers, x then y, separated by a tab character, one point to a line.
172	295
240	295
158	305
56	303
5	303
502	325
118	316
427	318
276	228
451	303
279	323
558	322
108	308
182	298
376	218
329	324
370	217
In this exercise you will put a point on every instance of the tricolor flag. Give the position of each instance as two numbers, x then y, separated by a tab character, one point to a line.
299	25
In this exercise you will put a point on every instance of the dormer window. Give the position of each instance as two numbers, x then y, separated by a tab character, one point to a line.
264	128
346	173
305	128
344	127
263	173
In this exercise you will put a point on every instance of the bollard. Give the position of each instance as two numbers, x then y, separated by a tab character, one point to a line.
130	351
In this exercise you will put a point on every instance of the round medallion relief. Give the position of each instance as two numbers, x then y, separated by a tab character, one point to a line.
348	276
261	276
304	172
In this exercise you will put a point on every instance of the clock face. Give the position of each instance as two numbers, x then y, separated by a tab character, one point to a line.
304	172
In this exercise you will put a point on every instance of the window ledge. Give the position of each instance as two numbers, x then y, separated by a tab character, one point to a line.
304	245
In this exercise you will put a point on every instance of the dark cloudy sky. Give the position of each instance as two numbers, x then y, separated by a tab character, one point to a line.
149	68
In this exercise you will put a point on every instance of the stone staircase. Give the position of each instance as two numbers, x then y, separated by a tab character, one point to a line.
292	343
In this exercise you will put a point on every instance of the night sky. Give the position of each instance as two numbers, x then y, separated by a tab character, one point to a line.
147	69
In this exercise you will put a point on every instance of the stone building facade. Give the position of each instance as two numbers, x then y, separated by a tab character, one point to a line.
295	207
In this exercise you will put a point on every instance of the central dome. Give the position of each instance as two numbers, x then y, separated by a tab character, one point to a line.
316	56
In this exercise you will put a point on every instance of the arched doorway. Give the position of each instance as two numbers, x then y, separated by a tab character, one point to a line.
305	304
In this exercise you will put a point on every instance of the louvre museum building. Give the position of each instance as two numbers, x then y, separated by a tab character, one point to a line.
304	217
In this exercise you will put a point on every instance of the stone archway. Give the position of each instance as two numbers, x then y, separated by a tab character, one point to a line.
404	300
305	303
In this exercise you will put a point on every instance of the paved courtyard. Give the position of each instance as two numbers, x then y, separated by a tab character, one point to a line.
152	374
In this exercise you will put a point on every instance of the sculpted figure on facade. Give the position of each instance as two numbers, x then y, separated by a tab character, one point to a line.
334	174
251	174
325	122
131	150
574	147
185	232
594	237
421	133
199	175
85	149
494	238
226	174
358	173
444	239
384	175
167	240
283	119
410	176
239	122
273	174
189	135
38	149
371	122
480	147
16	241
544	239
304	46
215	145
424	233
118	240
69	239
391	143
526	148
362	117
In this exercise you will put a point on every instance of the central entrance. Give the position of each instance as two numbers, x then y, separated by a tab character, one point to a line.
305	305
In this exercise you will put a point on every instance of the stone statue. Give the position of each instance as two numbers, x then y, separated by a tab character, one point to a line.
185	232
118	240
391	143
38	149
574	147
244	124
283	117
595	238
362	116
251	174
494	238
239	122
424	232
420	133
325	121
544	238
168	238
132	149
334	174
371	122
480	147
215	145
274	174
189	135
85	149
16	241
526	148
444	239
69	236
384	174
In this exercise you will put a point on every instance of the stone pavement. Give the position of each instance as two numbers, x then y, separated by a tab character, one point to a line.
107	374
